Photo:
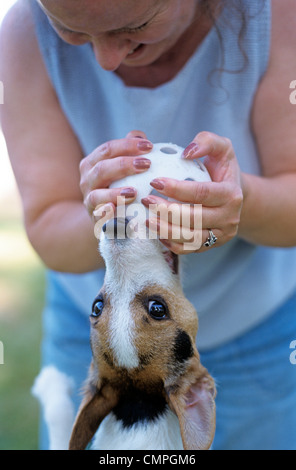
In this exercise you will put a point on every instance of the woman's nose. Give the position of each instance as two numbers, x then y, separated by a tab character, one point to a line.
111	51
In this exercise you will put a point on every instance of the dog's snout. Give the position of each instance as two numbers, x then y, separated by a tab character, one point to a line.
116	228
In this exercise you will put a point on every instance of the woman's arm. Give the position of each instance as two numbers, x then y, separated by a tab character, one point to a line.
44	152
59	188
269	211
260	209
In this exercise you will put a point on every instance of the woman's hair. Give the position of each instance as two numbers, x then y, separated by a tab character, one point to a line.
240	9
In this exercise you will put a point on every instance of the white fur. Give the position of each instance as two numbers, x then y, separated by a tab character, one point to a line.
53	389
161	434
121	334
133	265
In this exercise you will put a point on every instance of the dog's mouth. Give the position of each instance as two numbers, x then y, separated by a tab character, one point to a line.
116	229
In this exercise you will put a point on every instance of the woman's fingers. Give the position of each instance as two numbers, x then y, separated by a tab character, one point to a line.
207	143
183	240
103	173
203	208
219	156
218	202
187	215
193	245
136	134
100	197
217	208
193	192
113	161
115	148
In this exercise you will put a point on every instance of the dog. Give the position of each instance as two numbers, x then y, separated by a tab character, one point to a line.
146	387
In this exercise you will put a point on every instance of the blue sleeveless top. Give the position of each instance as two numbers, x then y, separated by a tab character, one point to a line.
233	287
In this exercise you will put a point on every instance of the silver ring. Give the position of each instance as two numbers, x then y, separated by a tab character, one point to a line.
211	240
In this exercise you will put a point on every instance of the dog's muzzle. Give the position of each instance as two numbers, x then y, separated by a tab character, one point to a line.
118	228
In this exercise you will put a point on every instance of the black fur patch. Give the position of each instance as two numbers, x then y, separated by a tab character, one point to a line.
145	360
108	359
183	349
139	406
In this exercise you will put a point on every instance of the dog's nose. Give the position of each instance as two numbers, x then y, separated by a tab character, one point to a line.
116	228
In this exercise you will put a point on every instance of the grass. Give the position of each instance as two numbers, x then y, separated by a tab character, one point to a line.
22	284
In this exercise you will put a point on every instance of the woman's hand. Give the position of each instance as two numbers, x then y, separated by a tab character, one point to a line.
109	162
221	199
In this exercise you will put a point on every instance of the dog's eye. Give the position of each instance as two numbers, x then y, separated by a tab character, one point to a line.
157	310
97	307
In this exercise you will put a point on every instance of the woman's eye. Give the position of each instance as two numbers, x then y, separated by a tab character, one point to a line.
157	310
137	29
97	308
140	28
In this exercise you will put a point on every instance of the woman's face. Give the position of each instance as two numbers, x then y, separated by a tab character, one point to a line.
130	32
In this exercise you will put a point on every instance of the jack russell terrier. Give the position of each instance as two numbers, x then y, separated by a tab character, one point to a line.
146	387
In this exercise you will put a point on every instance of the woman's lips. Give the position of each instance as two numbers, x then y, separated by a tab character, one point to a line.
133	53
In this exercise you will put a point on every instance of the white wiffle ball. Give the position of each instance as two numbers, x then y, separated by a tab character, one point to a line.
166	161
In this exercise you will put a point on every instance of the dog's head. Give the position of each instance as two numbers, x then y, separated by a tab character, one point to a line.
143	339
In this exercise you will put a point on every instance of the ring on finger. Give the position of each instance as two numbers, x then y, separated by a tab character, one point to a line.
211	240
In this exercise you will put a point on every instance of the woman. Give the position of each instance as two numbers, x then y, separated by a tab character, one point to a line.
211	76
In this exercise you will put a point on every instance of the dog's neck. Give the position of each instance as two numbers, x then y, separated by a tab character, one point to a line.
133	264
160	433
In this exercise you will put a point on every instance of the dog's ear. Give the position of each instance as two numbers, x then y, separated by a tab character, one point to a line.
98	401
192	398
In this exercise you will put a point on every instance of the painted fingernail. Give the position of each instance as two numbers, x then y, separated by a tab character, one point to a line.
144	145
157	184
128	193
190	150
148	200
141	163
102	210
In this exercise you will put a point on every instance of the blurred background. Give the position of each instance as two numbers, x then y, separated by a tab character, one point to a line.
22	283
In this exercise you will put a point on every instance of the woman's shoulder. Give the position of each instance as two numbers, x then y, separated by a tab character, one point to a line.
283	26
274	117
18	21
18	45
21	65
